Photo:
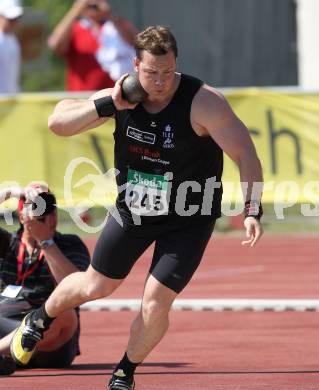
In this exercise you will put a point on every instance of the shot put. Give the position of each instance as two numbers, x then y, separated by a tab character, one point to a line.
132	90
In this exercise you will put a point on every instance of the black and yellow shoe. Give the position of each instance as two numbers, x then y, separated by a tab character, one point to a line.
119	381
24	341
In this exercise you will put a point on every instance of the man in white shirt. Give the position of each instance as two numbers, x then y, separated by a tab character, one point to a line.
115	54
10	53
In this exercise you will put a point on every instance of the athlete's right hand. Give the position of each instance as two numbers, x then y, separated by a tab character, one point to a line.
119	102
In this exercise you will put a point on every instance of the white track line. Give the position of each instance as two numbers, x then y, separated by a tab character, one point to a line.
211	304
225	272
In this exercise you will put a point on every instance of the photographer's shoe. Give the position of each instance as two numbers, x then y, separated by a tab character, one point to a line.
7	365
120	382
24	341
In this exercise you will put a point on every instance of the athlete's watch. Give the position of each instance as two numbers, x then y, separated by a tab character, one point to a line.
45	244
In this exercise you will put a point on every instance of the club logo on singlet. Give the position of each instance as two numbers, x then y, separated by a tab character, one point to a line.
168	135
142	136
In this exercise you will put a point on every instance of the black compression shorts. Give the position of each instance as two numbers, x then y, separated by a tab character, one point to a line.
177	253
61	357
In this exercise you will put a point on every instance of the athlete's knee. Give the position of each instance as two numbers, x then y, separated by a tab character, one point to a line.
98	285
98	290
157	301
154	310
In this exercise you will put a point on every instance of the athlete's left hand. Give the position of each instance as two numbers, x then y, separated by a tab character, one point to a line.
254	231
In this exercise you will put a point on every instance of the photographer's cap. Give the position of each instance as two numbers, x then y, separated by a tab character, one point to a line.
49	204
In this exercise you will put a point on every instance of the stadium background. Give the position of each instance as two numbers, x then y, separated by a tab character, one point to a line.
256	319
253	59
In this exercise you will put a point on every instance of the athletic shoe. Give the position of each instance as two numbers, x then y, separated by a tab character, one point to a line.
7	365
120	382
24	341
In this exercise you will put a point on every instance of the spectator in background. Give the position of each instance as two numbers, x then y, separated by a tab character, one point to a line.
10	52
96	45
33	261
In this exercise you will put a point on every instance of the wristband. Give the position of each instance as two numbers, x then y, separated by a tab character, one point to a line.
105	106
253	209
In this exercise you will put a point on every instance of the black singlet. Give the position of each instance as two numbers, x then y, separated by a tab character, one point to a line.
147	146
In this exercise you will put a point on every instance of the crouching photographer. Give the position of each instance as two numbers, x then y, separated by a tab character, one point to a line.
33	260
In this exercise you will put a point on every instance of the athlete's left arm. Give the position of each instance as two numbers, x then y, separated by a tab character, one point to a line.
213	116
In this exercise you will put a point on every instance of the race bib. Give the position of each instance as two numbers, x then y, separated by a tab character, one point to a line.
146	194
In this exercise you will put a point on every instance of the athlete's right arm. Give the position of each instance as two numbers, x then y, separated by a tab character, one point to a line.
74	116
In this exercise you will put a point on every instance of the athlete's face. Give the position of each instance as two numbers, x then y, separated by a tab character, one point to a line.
157	74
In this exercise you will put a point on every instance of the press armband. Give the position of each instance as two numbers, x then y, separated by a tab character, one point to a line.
105	106
253	209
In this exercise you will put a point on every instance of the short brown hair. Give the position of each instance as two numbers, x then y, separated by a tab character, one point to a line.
157	40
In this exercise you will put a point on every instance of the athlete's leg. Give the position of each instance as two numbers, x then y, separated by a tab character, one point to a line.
152	322
176	257
147	330
79	288
115	253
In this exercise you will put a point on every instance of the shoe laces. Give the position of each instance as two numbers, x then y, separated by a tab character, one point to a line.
120	384
30	336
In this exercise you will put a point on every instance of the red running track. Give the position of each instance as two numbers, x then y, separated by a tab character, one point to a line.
278	267
211	350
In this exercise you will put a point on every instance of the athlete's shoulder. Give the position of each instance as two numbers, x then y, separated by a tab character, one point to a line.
208	95
209	102
204	91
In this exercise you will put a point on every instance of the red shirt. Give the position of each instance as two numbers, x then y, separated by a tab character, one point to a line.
83	71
